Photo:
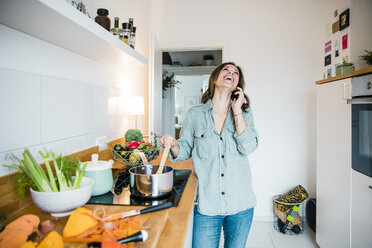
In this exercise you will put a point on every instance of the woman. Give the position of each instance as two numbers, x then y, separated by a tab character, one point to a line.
218	135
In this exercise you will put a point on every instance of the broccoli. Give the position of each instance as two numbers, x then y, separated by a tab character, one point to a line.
133	135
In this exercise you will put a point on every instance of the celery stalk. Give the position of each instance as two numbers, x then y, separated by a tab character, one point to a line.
44	184
36	165
81	173
50	173
61	179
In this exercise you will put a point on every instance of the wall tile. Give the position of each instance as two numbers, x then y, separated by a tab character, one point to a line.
19	109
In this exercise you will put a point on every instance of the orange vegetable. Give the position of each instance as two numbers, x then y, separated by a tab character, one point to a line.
79	221
16	233
29	244
52	240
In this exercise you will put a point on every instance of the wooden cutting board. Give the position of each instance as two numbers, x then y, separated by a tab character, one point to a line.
155	222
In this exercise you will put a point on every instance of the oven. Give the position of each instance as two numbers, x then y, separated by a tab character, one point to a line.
361	101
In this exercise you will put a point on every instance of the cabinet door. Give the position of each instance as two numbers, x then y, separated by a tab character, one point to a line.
333	166
361	211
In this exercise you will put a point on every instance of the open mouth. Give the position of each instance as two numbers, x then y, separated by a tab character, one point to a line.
228	77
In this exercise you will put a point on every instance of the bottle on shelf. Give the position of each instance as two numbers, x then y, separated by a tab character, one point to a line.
125	35
131	21
103	19
116	31
132	39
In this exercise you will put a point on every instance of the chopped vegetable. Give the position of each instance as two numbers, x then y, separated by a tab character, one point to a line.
80	220
52	240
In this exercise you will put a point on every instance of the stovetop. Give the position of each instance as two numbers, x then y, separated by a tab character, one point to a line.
124	197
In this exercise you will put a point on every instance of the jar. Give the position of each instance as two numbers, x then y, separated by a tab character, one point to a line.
132	39
125	35
103	19
101	172
116	31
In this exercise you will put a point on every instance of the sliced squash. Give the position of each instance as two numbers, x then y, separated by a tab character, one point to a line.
79	221
52	240
29	244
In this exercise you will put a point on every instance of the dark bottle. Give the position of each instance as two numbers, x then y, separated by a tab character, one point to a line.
103	19
125	35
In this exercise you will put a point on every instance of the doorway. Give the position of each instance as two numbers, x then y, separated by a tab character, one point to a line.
185	77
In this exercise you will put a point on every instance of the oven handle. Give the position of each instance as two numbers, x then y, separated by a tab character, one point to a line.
362	100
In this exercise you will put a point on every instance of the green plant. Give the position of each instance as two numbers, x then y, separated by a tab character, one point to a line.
58	175
133	135
169	81
208	57
367	57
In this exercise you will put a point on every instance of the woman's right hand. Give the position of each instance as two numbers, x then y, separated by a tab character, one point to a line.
175	148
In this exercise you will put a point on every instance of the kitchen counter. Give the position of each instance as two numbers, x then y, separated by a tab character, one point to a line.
174	221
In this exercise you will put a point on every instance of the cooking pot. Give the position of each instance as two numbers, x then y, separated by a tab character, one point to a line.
144	182
100	171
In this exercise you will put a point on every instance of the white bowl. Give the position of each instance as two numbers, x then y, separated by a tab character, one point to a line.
60	204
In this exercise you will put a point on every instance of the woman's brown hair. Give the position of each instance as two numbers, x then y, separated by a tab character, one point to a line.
208	94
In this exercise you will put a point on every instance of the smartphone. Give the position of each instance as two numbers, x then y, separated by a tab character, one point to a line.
233	96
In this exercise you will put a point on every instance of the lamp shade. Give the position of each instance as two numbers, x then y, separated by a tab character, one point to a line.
135	106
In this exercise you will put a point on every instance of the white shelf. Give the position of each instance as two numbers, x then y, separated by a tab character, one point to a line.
59	23
189	70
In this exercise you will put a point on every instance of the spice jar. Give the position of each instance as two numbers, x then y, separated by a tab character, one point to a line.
125	35
103	19
116	31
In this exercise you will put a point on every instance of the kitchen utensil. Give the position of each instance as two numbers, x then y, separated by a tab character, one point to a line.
100	171
144	159
165	155
145	183
138	236
137	212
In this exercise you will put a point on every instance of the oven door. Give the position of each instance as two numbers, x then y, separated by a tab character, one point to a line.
362	135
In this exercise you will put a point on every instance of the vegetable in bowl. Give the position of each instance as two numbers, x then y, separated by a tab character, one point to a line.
56	177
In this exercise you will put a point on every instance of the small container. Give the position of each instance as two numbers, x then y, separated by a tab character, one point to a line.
103	19
126	32
132	39
116	31
100	171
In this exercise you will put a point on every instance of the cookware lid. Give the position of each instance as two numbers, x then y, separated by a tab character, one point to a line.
97	165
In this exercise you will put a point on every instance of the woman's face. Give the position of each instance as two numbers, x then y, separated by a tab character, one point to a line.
228	77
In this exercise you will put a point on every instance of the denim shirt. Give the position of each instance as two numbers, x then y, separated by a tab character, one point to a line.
220	160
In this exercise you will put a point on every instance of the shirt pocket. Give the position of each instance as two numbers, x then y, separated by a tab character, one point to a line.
205	143
230	141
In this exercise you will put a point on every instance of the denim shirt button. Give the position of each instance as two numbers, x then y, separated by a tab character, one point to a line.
202	135
222	174
220	138
222	156
222	193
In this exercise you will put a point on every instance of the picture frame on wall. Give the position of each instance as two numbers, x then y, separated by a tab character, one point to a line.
344	19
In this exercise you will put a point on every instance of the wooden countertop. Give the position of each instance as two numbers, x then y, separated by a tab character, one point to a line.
363	71
174	221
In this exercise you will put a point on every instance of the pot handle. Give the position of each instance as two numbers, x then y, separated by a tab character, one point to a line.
156	208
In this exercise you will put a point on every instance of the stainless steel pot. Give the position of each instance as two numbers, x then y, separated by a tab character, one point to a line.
144	182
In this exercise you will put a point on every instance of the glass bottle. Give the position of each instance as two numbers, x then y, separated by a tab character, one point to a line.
125	35
103	19
132	39
116	30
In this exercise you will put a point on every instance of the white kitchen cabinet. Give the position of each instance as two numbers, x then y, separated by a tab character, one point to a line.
333	165
361	209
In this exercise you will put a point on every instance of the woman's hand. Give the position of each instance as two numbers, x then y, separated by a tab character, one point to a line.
175	148
238	102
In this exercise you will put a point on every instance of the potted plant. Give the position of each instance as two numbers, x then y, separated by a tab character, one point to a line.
367	57
208	59
168	81
345	68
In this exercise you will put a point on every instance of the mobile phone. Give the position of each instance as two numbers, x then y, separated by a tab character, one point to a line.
233	96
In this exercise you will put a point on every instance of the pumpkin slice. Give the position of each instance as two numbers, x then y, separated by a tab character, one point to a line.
52	240
79	221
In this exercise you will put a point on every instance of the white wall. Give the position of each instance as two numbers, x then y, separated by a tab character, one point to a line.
54	98
279	46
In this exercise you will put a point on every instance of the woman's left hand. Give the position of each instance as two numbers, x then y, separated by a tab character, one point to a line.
238	102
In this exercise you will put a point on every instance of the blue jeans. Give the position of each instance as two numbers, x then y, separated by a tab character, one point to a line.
207	229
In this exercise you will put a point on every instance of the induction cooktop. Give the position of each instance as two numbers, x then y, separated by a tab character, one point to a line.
123	196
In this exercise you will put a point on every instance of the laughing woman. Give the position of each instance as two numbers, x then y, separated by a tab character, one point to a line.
219	135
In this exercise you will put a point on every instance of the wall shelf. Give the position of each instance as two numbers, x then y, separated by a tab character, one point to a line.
59	23
189	70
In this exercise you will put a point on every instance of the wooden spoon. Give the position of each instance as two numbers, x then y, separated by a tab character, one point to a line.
144	159
165	155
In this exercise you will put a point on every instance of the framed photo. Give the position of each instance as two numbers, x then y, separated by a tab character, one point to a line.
344	19
327	60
